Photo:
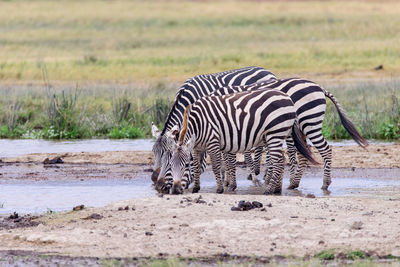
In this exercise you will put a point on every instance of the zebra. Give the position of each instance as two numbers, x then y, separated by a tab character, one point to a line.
236	123
189	92
310	104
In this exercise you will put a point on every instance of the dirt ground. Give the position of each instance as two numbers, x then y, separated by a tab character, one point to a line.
184	226
189	226
375	156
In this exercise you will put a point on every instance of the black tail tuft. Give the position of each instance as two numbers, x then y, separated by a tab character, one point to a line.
351	129
301	145
347	124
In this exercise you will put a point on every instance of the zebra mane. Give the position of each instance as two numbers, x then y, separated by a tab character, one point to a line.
184	128
177	99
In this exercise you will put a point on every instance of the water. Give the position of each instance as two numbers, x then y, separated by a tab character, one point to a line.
29	196
19	147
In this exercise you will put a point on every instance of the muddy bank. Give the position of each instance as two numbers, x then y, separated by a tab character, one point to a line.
375	156
181	226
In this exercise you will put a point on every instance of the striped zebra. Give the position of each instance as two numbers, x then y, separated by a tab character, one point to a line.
310	104
188	93
236	123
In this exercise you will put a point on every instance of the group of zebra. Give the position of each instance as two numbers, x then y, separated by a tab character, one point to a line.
237	111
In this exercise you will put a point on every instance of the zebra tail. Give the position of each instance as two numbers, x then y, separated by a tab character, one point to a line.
301	145
347	124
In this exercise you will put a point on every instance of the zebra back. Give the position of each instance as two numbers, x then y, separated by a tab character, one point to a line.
203	85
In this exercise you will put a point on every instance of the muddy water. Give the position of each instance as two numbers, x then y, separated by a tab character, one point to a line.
33	188
18	147
14	148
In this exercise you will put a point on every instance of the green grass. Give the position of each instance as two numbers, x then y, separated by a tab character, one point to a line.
126	111
73	69
145	41
326	255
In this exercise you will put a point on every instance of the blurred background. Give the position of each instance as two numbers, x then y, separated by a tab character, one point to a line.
84	69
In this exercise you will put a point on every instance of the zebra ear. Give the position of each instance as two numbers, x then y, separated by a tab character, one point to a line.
154	130
173	132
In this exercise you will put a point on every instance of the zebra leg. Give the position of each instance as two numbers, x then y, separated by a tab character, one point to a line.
226	178
257	159
326	153
301	167
249	163
231	164
275	184
215	154
291	148
197	158
268	167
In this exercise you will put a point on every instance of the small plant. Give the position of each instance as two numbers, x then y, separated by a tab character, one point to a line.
160	110
125	132
120	108
50	211
326	255
355	255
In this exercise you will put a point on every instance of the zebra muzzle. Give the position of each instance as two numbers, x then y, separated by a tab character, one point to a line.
177	188
154	175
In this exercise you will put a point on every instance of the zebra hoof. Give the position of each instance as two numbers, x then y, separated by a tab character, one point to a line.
292	186
325	187
231	188
220	190
250	177
257	172
196	189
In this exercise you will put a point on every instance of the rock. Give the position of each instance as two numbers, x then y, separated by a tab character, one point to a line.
56	160
79	207
235	209
13	216
356	225
257	204
148	233
310	196
94	216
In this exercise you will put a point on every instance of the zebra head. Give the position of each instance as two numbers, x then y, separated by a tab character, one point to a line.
180	166
159	148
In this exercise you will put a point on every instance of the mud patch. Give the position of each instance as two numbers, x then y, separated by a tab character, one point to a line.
17	221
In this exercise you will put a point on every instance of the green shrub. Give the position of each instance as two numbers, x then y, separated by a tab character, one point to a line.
355	255
326	255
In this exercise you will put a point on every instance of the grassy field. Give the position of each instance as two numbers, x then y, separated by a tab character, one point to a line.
79	69
172	40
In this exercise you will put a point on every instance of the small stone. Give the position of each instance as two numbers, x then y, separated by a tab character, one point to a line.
79	207
356	225
236	209
269	205
13	216
333	219
321	242
120	208
310	196
126	208
148	233
125	235
93	216
257	204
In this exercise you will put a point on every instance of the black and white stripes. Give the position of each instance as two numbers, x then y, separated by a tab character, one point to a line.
236	123
194	89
